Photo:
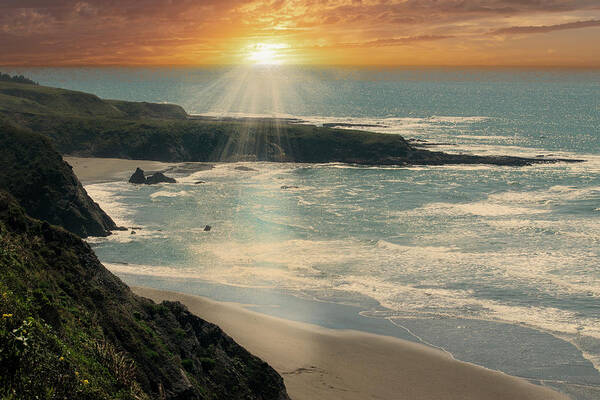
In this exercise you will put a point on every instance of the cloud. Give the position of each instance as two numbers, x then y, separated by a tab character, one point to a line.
546	28
404	41
201	31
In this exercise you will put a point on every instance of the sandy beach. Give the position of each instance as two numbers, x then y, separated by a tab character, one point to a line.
318	363
96	170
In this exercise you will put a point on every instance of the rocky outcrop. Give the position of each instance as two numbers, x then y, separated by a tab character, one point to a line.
45	185
138	177
92	338
159	177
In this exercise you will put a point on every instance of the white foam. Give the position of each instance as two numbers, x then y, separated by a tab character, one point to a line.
108	196
165	193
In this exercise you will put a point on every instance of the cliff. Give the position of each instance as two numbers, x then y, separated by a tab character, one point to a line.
71	329
36	175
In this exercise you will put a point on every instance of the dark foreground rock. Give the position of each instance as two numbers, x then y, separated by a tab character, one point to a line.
138	177
89	337
45	185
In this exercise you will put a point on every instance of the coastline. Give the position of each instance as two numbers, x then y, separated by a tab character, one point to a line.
320	363
98	170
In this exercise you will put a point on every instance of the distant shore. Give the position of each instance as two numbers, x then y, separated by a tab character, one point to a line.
323	364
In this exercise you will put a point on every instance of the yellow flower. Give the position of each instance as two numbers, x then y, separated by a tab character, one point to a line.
4	295
85	382
7	315
76	373
61	358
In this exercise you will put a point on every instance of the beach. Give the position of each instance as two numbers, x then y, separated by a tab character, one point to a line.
319	363
95	170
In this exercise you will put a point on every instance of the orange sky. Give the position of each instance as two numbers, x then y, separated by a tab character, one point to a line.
350	32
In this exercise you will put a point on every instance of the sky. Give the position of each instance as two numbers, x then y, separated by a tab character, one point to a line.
321	32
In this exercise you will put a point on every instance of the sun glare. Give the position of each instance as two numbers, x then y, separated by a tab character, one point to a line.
266	54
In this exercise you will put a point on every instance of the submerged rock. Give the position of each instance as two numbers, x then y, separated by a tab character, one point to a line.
138	176
207	228
289	187
243	168
199	182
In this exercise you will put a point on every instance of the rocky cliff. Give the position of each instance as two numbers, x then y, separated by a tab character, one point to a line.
45	185
71	329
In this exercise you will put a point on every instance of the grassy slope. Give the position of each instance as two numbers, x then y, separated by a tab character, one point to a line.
71	329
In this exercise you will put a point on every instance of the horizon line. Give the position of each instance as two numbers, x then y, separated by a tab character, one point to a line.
181	65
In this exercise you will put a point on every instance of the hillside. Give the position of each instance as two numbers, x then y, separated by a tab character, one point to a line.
36	175
71	329
84	125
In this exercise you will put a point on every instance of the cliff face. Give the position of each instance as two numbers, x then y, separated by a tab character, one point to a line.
36	175
71	329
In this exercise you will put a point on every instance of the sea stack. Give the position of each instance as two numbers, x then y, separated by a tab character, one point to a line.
138	176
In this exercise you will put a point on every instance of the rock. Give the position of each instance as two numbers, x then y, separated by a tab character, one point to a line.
138	177
199	182
133	232
243	168
158	178
289	187
207	228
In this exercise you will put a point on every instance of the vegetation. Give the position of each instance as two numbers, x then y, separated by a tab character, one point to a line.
72	330
16	78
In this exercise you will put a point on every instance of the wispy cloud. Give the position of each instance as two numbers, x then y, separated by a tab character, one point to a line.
547	28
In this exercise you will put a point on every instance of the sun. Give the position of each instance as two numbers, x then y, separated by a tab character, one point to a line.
266	53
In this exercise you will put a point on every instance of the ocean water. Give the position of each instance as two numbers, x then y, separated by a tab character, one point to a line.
497	265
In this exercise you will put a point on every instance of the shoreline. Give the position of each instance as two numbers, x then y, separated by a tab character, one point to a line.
321	363
301	375
91	170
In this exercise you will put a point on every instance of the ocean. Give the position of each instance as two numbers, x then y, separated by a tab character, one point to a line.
498	266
